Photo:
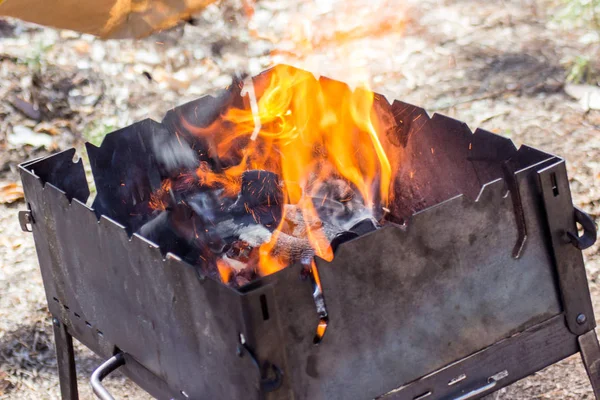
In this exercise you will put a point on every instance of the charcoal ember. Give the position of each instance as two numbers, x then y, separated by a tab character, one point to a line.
331	210
260	199
241	280
195	228
337	222
259	188
337	202
235	265
240	250
336	189
364	226
210	205
182	231
342	237
242	261
243	253
245	241
253	234
160	231
244	277
141	214
173	153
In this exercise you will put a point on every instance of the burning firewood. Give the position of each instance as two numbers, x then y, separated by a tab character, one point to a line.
250	183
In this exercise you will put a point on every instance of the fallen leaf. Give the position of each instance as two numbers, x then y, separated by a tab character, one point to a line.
48	128
10	192
82	47
22	135
5	385
26	108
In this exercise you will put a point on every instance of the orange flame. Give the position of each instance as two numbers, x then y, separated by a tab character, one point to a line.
321	328
312	131
229	179
157	201
224	270
317	239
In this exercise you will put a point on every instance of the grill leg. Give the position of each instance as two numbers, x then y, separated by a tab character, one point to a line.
590	353
66	361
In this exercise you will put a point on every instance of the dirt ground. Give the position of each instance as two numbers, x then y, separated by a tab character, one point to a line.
497	65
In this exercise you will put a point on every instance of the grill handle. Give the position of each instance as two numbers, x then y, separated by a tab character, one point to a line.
476	392
589	230
102	372
491	383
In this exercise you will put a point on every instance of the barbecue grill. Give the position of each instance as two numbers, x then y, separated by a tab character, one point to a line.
476	281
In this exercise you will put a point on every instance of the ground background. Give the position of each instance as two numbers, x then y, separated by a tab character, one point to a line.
498	65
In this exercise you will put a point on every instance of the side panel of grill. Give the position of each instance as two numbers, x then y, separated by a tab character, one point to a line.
116	293
405	302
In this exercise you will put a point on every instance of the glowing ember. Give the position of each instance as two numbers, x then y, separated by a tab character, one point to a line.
224	271
321	328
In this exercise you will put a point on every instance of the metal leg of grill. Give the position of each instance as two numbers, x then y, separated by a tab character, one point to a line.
590	353
66	361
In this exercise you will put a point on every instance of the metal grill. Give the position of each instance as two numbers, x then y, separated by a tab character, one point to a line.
477	282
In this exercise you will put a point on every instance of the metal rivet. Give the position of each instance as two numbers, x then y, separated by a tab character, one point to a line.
581	319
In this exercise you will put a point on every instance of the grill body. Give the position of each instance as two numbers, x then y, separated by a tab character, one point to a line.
473	283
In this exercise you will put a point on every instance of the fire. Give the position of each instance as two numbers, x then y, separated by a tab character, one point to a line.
309	132
317	239
157	199
312	131
224	270
229	179
268	262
